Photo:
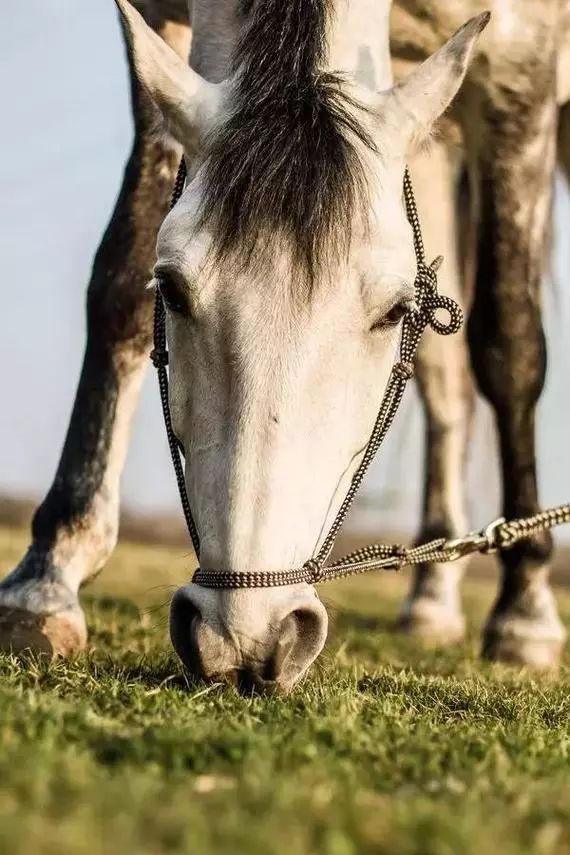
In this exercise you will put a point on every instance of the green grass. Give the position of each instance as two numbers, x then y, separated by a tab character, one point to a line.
386	748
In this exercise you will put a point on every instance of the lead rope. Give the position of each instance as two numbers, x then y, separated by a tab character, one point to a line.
498	535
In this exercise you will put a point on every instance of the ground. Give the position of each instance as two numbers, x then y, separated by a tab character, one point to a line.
386	747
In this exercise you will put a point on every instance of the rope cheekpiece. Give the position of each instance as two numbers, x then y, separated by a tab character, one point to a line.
498	535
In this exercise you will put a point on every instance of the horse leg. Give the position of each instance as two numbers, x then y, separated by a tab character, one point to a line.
513	176
75	528
432	609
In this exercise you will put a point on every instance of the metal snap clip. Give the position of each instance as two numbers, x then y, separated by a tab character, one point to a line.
490	535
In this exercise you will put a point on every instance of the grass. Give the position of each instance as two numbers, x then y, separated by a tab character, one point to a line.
386	748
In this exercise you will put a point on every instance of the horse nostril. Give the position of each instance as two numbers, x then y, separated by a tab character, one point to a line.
185	617
309	624
302	635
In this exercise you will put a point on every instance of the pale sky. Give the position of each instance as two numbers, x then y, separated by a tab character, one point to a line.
67	133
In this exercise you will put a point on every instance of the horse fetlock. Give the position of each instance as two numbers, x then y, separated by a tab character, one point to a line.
526	632
81	551
432	611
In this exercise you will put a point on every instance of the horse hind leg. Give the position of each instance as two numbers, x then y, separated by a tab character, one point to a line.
75	528
514	177
432	609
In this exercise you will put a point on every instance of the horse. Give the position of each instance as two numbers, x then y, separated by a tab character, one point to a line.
286	269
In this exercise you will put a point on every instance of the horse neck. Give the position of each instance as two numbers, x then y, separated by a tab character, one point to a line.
358	39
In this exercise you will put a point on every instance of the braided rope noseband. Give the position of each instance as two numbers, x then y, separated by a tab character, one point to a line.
498	535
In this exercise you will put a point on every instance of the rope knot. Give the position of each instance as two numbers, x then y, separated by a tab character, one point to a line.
159	357
404	370
316	570
400	553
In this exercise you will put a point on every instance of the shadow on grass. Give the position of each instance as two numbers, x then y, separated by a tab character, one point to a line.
149	676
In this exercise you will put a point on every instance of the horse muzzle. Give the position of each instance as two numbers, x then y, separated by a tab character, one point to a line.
259	641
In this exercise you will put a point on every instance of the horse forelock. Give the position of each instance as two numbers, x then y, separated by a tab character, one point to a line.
284	168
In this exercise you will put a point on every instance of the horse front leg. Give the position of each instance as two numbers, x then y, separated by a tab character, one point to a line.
432	609
75	528
514	171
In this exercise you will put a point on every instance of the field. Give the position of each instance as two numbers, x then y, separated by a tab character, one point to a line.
386	748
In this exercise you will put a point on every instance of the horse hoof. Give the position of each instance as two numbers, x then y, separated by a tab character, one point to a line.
528	650
528	633
47	636
431	622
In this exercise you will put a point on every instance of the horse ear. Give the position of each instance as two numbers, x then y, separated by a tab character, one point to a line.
421	98
187	102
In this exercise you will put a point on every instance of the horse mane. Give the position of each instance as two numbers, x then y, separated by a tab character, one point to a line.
284	165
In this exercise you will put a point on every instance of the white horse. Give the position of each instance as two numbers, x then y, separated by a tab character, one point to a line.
286	268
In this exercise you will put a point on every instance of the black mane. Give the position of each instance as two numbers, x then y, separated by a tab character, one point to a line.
284	164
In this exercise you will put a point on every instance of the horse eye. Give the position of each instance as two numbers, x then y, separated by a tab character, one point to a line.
174	295
393	317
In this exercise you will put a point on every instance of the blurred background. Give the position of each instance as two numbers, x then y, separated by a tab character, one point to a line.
67	133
